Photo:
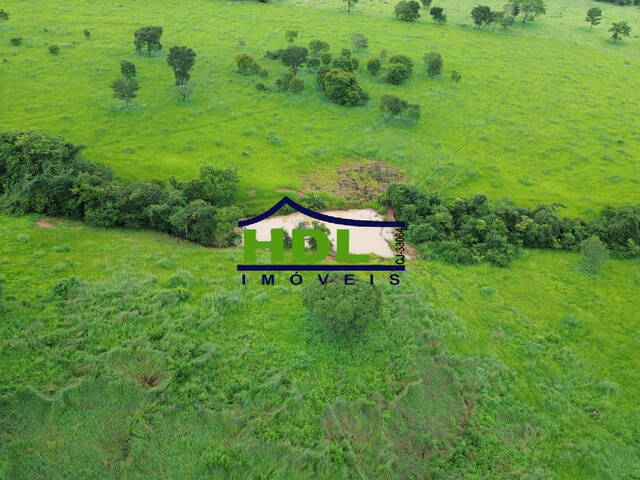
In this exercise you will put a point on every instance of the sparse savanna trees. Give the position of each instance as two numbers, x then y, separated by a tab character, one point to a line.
181	60
594	16
149	38
619	30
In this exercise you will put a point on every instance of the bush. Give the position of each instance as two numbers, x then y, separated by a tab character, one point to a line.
397	73
54	49
296	85
283	82
347	63
343	309
247	65
342	88
313	63
373	66
593	254
404	60
16	41
325	58
433	63
318	46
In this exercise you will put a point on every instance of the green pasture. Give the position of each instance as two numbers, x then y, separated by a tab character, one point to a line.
545	112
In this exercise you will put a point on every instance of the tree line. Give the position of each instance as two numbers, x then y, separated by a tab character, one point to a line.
44	174
472	230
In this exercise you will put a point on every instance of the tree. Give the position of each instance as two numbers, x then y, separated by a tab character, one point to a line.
128	69
482	14
181	60
373	66
593	254
148	37
437	13
433	63
291	35
425	3
407	10
342	88
346	62
505	20
350	3
344	310
125	89
317	47
529	9
293	57
397	73
360	42
4	16
594	16
403	59
620	29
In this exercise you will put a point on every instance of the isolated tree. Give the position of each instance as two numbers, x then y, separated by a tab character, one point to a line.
593	254
149	38
125	89
437	13
392	106
128	69
360	42
619	30
594	16
291	35
403	59
317	47
247	65
433	63
482	14
505	20
529	9
350	4
407	10
4	16
181	60
373	66
293	57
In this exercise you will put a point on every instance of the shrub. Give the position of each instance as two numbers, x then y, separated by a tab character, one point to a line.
404	60
456	76
294	56
247	65
433	63
593	254
373	66
325	58
291	35
393	107
343	309
54	49
317	47
407	10
360	42
16	41
342	88
283	82
184	91
296	85
397	73
347	63
87	33
313	63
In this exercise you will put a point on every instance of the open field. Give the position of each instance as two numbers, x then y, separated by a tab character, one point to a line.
537	116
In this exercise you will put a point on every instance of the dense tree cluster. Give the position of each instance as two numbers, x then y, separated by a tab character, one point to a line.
472	230
44	174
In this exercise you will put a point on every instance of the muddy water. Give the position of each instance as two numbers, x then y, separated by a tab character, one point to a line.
361	239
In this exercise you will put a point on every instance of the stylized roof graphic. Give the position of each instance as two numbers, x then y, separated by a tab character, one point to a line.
318	216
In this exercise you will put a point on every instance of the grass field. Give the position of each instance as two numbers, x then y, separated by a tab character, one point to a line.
131	354
536	117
